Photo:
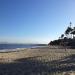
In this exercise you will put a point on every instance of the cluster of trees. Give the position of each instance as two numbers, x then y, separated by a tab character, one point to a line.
68	38
69	32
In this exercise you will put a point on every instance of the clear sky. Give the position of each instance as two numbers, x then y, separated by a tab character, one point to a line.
34	21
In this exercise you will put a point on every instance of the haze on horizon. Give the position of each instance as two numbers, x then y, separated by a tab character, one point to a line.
34	21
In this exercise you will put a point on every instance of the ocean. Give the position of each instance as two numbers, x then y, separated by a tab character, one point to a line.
15	46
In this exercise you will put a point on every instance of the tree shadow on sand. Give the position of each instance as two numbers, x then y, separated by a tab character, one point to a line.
32	66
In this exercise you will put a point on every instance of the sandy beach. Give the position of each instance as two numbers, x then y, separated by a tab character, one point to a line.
38	61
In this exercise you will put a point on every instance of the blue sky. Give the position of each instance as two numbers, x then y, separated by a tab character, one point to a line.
34	21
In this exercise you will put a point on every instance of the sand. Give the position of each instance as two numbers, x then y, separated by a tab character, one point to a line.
38	61
33	52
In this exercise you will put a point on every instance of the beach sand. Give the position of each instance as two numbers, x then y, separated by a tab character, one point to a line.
38	61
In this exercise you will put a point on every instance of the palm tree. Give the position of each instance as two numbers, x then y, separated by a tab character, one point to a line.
73	32
68	31
62	36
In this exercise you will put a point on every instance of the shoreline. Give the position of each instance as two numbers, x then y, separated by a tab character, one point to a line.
27	60
10	56
7	56
18	49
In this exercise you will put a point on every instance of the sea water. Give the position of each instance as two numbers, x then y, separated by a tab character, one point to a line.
13	47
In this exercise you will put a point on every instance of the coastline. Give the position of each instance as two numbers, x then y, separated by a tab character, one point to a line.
18	49
31	58
33	52
11	50
7	56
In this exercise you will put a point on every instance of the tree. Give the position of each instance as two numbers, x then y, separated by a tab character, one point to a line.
73	32
62	36
68	31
